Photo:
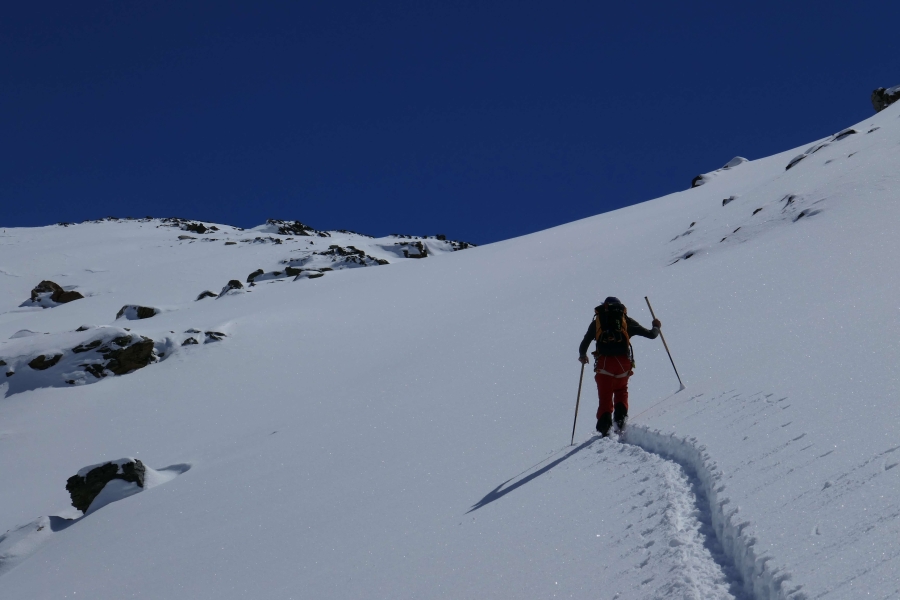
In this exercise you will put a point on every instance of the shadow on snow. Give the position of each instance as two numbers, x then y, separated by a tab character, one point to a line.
500	491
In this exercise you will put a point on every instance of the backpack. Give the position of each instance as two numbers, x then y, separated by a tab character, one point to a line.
612	326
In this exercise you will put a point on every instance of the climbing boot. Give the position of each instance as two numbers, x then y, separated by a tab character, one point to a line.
620	416
604	423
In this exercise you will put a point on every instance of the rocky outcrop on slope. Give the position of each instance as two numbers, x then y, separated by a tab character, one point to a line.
314	263
214	336
262	240
350	256
48	294
294	228
882	98
187	225
440	240
133	312
706	177
818	146
87	484
231	287
44	362
98	353
413	249
130	356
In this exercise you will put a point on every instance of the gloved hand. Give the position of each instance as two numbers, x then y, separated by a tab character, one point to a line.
583	360
657	323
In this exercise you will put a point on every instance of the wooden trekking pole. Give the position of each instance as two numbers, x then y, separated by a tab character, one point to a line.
577	402
665	344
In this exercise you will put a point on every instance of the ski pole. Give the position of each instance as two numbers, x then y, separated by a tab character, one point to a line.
665	344
577	402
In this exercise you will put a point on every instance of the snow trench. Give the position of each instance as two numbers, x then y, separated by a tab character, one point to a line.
761	580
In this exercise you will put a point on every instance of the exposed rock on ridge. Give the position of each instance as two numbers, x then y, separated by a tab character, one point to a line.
90	481
882	98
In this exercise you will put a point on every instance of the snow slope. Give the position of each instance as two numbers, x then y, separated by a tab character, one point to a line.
401	431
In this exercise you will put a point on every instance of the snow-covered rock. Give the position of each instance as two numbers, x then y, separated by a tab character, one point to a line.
133	312
77	358
48	294
882	98
89	482
706	177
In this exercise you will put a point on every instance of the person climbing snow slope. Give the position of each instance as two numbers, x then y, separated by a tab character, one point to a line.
613	329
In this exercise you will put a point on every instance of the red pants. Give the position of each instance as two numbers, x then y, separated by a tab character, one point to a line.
612	390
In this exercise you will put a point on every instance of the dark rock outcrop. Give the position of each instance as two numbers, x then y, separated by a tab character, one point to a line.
190	342
84	488
234	284
207	294
44	362
44	287
795	161
56	293
842	134
195	227
819	145
882	98
214	336
351	255
64	296
295	228
254	275
86	347
414	249
133	312
128	358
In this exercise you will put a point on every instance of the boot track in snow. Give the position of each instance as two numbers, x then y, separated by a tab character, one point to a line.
697	485
702	531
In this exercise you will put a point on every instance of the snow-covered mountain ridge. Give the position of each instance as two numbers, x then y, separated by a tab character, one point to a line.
90	353
401	432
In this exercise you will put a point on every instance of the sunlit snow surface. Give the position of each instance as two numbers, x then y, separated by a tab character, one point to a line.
400	431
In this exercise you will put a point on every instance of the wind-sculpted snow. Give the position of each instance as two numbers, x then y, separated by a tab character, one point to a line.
399	431
23	541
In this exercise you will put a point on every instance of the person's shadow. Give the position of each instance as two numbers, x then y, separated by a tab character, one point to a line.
500	491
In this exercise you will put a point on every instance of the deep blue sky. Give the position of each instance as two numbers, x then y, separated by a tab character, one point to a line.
481	120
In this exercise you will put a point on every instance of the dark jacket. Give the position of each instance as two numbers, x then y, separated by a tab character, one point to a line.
615	348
